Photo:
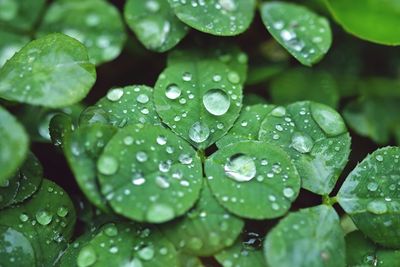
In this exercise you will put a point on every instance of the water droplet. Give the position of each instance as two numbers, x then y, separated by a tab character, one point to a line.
113	250
162	182
173	91
152	6
146	253
288	192
379	158
187	77
111	230
240	167
278	112
115	94
195	243
135	263
23	217
107	165
278	25
217	78
128	140
328	119
216	102
377	207
161	140
302	142
233	77
62	211
372	186
43	217
86	257
159	213
199	132
141	156
142	98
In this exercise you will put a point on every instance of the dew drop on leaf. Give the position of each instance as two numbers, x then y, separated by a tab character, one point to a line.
111	230
216	102
141	156
173	91
107	165
115	94
240	168
328	119
62	211
146	253
199	132
142	98
158	213
302	142
43	217
86	257
377	207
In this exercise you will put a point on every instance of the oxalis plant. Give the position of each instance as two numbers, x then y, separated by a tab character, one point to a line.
199	165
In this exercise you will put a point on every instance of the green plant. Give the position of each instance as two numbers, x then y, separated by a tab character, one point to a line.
204	168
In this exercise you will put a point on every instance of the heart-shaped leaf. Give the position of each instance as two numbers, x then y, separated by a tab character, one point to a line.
52	71
199	99
217	17
154	24
149	174
311	237
95	23
315	137
370	196
241	173
303	33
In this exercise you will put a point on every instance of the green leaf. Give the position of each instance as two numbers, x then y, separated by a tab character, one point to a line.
263	73
82	148
8	191
247	125
217	17
13	145
200	98
9	44
311	237
253	179
15	249
302	83
373	20
20	14
149	174
59	128
127	244
373	117
154	24
240	254
253	99
370	196
205	229
47	220
189	261
123	106
315	137
362	251
52	71
304	34
96	24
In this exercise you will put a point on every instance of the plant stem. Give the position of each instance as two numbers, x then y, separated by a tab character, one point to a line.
330	201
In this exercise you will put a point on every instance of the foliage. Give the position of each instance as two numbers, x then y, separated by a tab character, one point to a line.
199	133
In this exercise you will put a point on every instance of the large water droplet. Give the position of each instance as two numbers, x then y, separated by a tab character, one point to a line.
146	253
173	91
240	167
328	119
43	217
302	142
278	111
199	132
23	217
107	165
377	207
115	94
159	213
216	102
233	77
86	257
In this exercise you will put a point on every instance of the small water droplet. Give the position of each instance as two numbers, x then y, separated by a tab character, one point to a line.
302	142
152	6
233	77
141	156
187	77
278	112
377	207
86	257
23	217
111	230
128	140
62	211
161	140
159	212
173	91
379	158
240	167
288	192
115	94
372	186
162	182
195	243
217	78
146	253
199	132
142	98
43	217
216	101
107	165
